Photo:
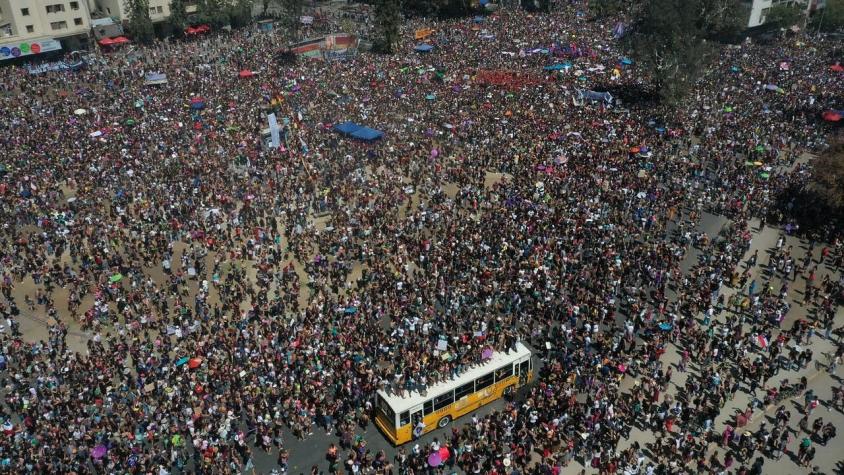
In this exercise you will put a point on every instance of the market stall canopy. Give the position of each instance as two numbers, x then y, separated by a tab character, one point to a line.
120	40
359	132
831	116
837	68
106	42
197	103
195	30
423	48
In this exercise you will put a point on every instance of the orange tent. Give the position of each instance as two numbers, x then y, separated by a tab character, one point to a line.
423	33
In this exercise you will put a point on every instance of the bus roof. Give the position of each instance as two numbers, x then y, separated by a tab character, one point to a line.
498	359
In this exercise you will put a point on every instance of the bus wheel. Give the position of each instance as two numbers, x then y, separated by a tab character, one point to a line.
444	422
508	390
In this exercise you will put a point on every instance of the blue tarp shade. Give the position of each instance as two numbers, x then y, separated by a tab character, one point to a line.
155	78
423	48
596	96
478	19
358	131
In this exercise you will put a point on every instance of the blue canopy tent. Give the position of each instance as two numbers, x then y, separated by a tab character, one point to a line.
558	66
423	48
359	132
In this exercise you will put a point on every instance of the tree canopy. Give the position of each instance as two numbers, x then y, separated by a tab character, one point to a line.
387	22
603	8
178	18
785	15
140	26
828	177
675	39
829	18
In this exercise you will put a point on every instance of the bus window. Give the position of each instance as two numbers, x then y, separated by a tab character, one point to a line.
444	400
429	407
503	373
386	410
464	390
523	369
484	381
404	418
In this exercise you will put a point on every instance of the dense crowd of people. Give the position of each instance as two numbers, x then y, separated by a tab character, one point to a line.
234	292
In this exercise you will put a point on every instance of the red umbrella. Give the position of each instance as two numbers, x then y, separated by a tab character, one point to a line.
831	116
246	73
837	67
106	41
120	40
190	30
194	363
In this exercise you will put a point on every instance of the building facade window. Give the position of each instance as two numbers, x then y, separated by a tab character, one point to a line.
30	29
159	9
58	25
24	11
74	5
55	8
77	21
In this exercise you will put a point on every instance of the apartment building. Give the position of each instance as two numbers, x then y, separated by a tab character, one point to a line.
35	26
759	9
159	10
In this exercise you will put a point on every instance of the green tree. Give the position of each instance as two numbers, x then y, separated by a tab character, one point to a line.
140	26
673	39
828	177
387	23
214	12
829	18
240	12
291	12
424	7
178	18
722	18
604	8
785	15
819	205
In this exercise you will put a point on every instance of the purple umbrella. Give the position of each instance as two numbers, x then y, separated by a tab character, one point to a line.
486	354
434	459
99	451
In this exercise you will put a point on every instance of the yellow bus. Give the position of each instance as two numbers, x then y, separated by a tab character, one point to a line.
399	417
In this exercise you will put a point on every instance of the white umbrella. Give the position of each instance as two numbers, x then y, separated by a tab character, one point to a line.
80	111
